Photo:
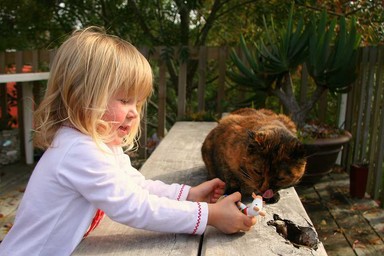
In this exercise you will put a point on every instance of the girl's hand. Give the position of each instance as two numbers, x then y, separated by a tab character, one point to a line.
209	191
226	217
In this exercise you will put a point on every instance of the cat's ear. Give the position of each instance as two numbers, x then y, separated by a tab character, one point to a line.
256	141
258	137
251	134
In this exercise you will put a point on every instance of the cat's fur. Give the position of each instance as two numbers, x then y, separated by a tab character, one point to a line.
254	151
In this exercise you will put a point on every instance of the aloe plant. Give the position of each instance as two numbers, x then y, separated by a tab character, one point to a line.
331	59
333	67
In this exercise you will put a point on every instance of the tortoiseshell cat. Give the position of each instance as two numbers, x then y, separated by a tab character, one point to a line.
255	151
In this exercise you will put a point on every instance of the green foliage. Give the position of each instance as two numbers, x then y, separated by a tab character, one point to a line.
333	66
283	49
331	60
29	24
248	73
369	15
279	52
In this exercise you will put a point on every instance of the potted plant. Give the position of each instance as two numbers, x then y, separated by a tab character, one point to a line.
331	59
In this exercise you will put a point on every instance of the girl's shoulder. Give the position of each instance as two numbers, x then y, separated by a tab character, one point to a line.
70	143
73	152
69	137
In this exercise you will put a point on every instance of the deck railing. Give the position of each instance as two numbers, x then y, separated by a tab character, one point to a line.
364	115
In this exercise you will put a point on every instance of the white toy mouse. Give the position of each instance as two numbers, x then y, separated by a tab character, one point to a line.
253	209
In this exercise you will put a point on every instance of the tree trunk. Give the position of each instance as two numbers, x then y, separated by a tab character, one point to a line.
297	112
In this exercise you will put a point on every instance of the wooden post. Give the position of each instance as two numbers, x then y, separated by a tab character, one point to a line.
221	85
361	97
182	91
162	100
3	90
27	115
202	78
20	121
142	150
367	140
377	133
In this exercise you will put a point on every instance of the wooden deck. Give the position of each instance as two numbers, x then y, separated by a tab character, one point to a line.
345	226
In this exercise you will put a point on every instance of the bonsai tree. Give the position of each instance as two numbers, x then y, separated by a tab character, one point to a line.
329	48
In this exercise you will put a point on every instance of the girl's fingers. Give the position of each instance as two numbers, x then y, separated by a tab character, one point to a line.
248	224
235	196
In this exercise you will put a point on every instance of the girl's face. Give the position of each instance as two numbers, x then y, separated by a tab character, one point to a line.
121	114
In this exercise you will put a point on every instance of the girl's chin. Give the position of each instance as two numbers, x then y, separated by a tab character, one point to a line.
119	136
118	139
116	142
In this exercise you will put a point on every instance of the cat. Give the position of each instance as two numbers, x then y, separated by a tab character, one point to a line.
255	151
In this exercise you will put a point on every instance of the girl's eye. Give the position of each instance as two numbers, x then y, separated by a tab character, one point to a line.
125	102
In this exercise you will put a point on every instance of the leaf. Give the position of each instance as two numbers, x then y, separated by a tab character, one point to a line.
333	57
240	65
251	58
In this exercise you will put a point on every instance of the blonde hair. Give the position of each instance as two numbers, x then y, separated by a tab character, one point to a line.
88	69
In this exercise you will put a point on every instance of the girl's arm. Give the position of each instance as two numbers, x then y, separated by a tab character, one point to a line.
98	179
172	191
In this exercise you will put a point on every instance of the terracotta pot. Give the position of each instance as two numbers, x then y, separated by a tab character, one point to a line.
321	162
358	177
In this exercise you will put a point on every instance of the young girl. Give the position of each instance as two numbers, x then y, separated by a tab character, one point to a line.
98	84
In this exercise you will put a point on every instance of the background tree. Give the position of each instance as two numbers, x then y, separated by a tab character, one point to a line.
145	23
26	24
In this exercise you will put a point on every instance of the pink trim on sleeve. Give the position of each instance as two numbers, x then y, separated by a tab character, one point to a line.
180	192
198	219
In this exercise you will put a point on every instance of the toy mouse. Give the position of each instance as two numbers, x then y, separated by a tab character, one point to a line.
253	209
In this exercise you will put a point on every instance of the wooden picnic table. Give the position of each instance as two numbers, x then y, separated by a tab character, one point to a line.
178	159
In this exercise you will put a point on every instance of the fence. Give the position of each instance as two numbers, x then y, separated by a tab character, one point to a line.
365	118
364	115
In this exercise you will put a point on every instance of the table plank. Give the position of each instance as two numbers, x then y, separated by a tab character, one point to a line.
176	159
263	239
112	238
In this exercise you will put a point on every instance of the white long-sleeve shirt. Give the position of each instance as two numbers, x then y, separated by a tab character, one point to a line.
73	179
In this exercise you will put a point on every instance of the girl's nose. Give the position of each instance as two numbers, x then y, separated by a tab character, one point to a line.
132	113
